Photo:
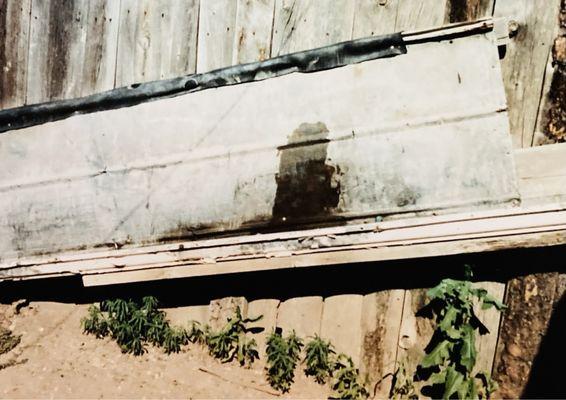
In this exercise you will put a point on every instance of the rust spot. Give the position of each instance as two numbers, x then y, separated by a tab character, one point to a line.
307	184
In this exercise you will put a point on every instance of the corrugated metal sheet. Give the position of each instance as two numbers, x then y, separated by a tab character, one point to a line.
423	131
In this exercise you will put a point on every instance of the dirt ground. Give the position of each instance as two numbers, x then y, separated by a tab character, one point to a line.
56	360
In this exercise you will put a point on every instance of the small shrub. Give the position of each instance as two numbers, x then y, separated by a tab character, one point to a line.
282	357
318	359
347	383
231	342
133	325
451	354
402	385
197	333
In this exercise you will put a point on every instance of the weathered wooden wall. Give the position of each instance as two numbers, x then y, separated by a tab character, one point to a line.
53	49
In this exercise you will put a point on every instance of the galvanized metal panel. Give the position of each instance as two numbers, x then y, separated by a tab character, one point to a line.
422	131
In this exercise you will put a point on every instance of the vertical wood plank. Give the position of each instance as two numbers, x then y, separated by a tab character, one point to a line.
267	308
341	324
301	314
486	344
254	25
415	332
530	303
468	10
157	40
57	50
127	42
309	24
217	32
414	15
180	39
372	18
524	64
381	324
14	42
551	124
101	44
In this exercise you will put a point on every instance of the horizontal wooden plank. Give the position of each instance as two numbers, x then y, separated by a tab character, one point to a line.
542	173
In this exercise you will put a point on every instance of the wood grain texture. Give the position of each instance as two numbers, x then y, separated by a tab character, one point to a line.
372	18
267	309
525	62
415	332
413	15
254	27
381	323
301	25
542	173
530	300
551	124
14	43
157	40
341	324
57	50
486	344
101	44
216	34
302	315
468	10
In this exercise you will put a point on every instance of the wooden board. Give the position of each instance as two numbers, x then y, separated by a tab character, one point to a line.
341	322
268	309
302	25
381	322
57	50
468	10
302	315
486	344
373	18
254	27
423	14
101	45
415	332
216	33
524	80
542	174
530	300
14	44
157	40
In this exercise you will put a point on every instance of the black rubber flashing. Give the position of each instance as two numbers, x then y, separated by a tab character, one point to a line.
333	56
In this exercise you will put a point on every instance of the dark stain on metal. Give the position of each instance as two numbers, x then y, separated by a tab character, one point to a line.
307	184
61	21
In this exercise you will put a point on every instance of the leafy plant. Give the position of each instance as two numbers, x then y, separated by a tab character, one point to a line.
197	333
133	325
451	355
231	342
402	385
318	359
346	380
283	353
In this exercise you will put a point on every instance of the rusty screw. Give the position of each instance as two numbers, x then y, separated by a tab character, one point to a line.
513	27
